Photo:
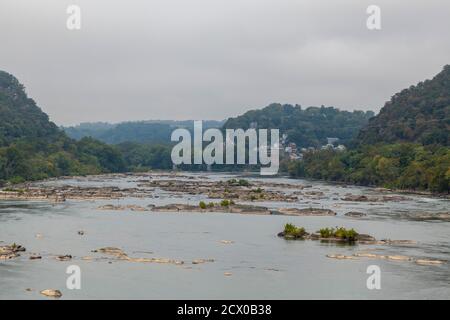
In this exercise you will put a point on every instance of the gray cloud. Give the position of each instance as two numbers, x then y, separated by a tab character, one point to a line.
211	59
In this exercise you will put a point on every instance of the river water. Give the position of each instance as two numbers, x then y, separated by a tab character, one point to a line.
256	265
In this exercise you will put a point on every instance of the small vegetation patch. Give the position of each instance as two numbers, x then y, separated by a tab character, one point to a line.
340	233
240	182
202	205
291	231
226	203
326	234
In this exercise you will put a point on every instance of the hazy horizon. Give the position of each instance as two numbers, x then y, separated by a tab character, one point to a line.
147	60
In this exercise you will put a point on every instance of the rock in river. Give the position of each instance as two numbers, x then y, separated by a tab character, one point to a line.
11	251
121	255
51	293
306	212
355	214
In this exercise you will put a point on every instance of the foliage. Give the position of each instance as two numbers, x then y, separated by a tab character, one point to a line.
401	165
146	132
293	231
243	183
226	203
341	233
419	114
326	232
19	115
32	147
240	182
306	127
140	157
202	205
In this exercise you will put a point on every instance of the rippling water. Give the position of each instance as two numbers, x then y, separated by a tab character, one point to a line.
261	264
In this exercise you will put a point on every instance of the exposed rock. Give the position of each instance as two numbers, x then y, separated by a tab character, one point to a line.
10	252
122	208
61	193
292	237
364	198
121	255
340	257
359	238
394	198
399	258
66	257
154	260
397	242
306	212
429	262
355	214
440	216
52	293
176	208
314	194
233	208
359	198
249	209
365	238
109	207
223	190
111	251
369	255
9	256
200	261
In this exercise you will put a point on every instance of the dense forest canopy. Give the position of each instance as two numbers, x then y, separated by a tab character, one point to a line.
401	165
418	114
308	127
19	115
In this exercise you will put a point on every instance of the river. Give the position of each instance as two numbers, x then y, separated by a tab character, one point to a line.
249	260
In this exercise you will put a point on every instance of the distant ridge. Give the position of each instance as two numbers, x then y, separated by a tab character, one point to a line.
146	131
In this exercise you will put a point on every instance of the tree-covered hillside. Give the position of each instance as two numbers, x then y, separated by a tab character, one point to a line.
147	132
406	146
19	115
32	147
306	127
418	114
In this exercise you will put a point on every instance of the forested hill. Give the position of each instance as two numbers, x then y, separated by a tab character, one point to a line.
32	147
19	115
406	146
148	132
419	114
306	127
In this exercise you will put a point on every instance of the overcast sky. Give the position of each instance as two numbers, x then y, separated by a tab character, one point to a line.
212	59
